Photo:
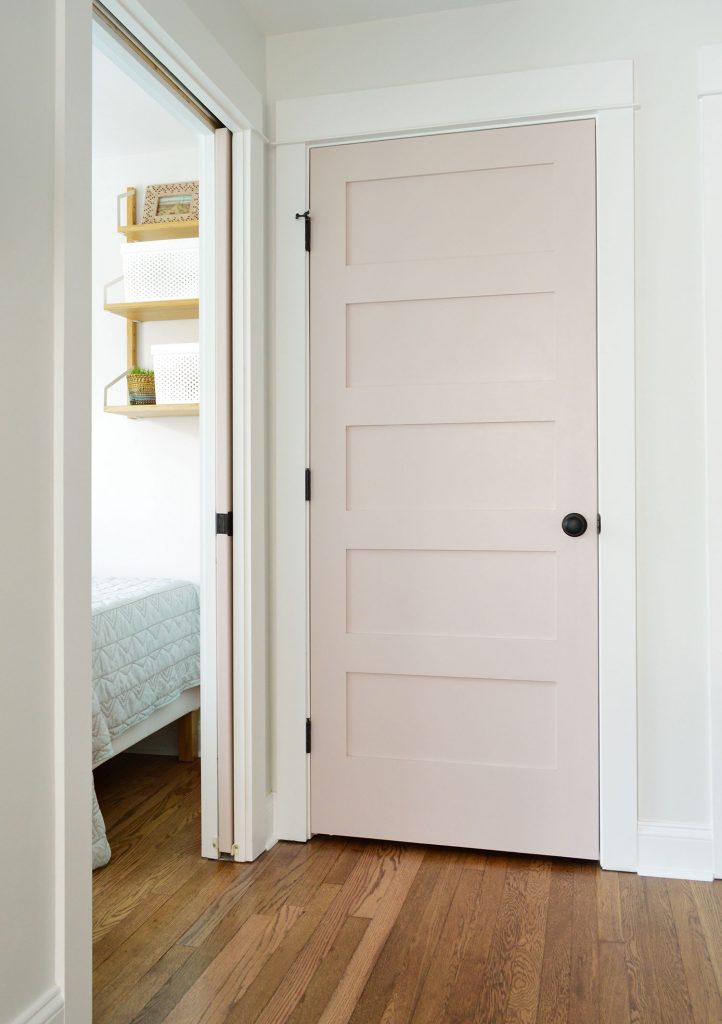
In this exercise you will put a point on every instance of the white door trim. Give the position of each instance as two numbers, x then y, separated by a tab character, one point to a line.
710	96
189	50
605	92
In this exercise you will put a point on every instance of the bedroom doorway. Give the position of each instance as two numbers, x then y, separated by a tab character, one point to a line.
161	470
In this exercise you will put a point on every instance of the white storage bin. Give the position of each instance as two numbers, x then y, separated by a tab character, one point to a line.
176	373
160	270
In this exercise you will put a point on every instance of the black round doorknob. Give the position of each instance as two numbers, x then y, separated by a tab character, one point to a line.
574	524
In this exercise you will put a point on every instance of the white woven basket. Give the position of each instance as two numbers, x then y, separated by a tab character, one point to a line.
160	270
176	373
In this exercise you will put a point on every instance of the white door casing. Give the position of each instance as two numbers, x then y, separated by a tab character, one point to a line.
604	91
453	424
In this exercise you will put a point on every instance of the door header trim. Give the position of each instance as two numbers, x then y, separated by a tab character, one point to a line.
579	89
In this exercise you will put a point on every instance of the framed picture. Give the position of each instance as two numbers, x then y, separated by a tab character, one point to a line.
175	201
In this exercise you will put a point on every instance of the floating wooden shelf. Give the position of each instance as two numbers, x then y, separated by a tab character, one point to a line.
159	232
141	412
167	309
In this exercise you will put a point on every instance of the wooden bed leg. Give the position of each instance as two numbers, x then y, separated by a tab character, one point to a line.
188	736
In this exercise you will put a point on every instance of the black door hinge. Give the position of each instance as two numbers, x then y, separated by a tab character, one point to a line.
224	523
308	735
599	523
307	485
307	228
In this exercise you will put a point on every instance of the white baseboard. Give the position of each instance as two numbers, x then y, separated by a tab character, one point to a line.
49	1008
670	850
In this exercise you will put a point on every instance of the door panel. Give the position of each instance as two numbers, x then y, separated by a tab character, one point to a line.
453	425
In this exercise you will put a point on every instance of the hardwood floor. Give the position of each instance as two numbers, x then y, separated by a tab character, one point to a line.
338	931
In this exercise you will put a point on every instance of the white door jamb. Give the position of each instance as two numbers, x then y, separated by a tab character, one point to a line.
216	80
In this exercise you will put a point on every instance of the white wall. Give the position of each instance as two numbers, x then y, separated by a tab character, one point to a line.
236	33
145	473
45	118
662	37
26	511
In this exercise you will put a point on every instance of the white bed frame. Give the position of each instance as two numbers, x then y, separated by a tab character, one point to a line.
188	702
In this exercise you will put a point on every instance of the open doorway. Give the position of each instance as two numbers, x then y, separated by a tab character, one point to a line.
161	474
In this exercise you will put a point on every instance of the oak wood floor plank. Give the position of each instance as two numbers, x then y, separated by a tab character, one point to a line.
553	1007
461	924
231	972
344	999
702	983
268	895
641	982
355	932
528	957
462	1004
271	870
142	809
495	978
119	973
123	786
401	970
327	977
674	1000
174	819
124	1011
174	859
709	908
107	940
363	880
613	995
346	861
443	972
584	976
381	878
163	929
609	907
248	1009
293	877
319	869
193	873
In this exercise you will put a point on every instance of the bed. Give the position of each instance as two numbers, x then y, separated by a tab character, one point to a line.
146	667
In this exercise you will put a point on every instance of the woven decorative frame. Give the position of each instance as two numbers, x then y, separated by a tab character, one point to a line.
154	193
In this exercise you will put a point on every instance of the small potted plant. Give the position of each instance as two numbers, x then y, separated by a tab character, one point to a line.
141	386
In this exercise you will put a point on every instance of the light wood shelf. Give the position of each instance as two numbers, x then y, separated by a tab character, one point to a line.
133	312
167	309
141	412
159	232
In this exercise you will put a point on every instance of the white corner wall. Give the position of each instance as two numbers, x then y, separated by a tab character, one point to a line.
27	967
662	39
45	278
145	473
236	33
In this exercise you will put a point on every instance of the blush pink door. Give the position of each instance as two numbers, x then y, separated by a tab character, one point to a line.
453	427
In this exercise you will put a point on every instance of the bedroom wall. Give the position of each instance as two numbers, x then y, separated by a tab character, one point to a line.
662	37
145	473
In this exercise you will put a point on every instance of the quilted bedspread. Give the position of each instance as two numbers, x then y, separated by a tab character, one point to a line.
146	651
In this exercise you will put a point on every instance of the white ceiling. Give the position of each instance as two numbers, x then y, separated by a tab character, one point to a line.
127	119
274	17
